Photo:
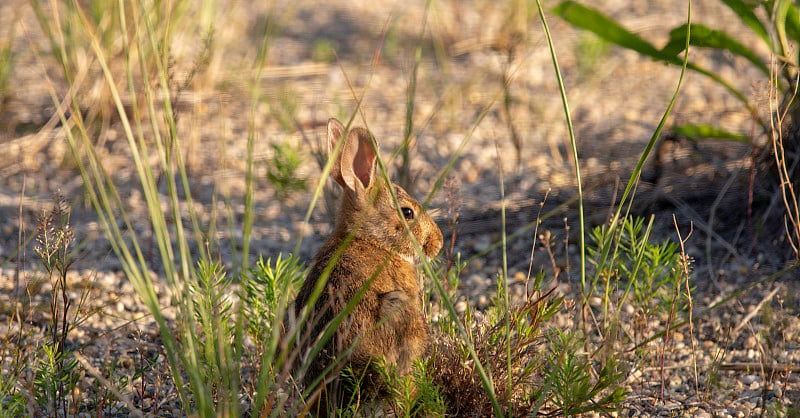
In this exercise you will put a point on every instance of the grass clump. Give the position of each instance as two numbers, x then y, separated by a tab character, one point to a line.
629	268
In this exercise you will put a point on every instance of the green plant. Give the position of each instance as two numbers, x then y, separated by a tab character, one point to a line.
266	292
775	23
56	374
284	108
637	270
567	375
282	172
322	50
509	343
218	340
591	50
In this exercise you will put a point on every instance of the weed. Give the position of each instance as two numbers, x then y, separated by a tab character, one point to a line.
648	273
55	374
776	26
572	387
322	50
455	374
282	171
284	108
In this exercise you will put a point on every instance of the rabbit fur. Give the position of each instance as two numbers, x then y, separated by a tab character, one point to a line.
371	253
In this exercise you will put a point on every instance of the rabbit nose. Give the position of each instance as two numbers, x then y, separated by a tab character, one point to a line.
434	243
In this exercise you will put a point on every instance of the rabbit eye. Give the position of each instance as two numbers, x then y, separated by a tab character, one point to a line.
408	213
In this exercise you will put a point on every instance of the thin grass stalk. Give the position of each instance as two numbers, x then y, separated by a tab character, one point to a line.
145	287
639	254
405	169
190	354
685	271
255	95
167	148
568	117
634	178
777	120
504	288
215	360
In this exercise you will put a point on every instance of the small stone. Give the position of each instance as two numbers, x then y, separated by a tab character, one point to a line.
748	379
476	264
461	307
750	342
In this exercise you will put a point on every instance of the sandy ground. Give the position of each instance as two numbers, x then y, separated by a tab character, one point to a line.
616	98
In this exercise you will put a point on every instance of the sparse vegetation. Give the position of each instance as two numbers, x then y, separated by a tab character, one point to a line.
213	332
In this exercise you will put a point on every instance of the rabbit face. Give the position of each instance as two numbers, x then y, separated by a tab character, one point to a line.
391	235
368	209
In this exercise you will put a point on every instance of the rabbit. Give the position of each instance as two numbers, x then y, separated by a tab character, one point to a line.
371	252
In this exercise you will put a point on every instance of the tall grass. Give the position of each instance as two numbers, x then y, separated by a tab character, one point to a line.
231	341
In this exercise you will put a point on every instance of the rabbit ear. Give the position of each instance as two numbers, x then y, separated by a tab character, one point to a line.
354	167
335	134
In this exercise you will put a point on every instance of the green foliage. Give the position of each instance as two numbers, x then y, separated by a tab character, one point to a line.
322	50
283	107
282	171
776	19
216	333
708	131
629	268
12	404
569	377
591	50
55	377
266	291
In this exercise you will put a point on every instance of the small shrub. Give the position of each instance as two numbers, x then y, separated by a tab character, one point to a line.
282	172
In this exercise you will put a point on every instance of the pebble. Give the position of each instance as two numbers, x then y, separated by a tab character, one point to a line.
749	379
461	307
750	342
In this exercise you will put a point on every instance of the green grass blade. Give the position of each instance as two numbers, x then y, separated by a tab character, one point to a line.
781	12
701	131
634	179
792	23
749	18
606	28
618	32
703	36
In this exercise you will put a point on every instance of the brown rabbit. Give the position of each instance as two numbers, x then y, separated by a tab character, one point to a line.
370	254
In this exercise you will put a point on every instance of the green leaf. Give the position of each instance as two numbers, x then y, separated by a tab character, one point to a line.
692	131
745	13
781	18
590	19
793	22
703	36
606	28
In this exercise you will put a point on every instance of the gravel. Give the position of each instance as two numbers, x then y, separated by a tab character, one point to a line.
739	360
